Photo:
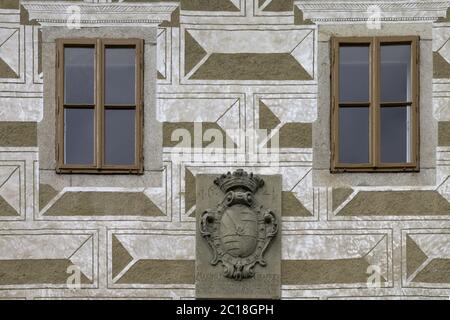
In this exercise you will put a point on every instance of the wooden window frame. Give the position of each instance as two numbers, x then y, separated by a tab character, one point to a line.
374	105
99	166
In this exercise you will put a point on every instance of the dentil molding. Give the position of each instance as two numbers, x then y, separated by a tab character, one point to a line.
58	13
351	11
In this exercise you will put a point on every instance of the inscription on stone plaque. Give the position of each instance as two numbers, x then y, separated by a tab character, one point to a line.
238	241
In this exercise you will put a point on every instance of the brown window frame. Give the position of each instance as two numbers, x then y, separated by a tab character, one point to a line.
99	166
374	105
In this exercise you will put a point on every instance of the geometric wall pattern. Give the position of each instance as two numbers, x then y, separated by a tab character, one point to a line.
223	65
427	258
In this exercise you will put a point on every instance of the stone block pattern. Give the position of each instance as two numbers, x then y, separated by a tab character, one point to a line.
223	65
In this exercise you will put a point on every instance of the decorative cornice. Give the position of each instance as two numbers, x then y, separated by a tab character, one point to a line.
57	13
344	11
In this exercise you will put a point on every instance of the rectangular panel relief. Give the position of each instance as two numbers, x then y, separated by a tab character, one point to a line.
43	258
238	238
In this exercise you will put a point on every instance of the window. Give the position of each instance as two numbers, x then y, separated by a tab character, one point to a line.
375	88
99	106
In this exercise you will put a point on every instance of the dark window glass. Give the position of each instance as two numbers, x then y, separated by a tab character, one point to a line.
120	136
354	135
395	73
395	134
79	75
79	136
354	73
120	76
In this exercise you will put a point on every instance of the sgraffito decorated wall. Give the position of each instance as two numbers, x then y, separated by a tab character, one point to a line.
228	66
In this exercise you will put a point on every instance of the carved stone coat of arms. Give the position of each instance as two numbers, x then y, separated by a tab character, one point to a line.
238	230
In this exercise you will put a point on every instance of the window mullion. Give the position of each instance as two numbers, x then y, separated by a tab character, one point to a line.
60	98
375	103
335	102
414	152
139	108
99	104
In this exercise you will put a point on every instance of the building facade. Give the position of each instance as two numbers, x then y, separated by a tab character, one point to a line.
112	112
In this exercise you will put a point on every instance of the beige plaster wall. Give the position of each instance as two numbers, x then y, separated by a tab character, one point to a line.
228	64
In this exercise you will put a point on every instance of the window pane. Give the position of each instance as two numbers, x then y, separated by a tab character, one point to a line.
119	136
395	134
395	73
120	75
354	73
354	135
78	136
79	75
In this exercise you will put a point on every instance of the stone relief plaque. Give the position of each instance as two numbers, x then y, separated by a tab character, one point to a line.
238	243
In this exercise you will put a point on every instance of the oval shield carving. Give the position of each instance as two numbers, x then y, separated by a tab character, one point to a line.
239	230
